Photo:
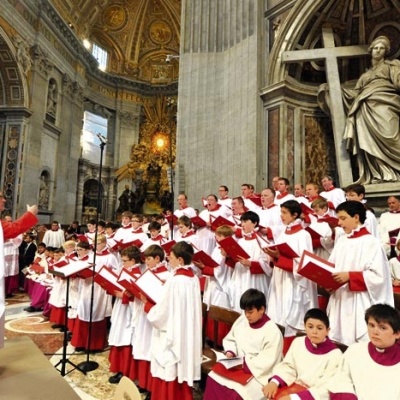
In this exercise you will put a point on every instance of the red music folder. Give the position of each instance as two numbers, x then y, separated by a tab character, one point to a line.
38	269
150	285
199	222
236	374
201	256
284	250
219	221
233	249
168	246
120	244
305	209
318	270
256	200
108	280
316	230
83	268
126	278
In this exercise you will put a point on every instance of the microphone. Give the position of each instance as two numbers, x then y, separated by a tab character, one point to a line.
102	138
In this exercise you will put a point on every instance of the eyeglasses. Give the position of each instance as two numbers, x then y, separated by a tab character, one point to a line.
135	220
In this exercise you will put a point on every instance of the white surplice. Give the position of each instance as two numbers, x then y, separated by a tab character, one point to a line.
346	308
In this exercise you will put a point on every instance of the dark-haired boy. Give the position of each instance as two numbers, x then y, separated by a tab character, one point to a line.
309	364
260	354
371	370
176	338
254	272
363	271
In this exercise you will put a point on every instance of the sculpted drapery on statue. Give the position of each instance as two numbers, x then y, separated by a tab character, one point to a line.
372	131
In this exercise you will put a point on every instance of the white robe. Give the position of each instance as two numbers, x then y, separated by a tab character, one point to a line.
11	255
262	350
312	371
346	308
176	340
361	375
271	218
242	279
205	235
387	222
335	196
189	212
291	295
141	326
121	321
101	300
217	286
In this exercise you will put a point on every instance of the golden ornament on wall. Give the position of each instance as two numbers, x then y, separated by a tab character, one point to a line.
160	32
115	17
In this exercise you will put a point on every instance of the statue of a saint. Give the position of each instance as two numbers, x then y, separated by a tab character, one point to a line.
125	200
372	130
52	99
43	202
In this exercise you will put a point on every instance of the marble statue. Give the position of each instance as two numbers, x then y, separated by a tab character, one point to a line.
372	131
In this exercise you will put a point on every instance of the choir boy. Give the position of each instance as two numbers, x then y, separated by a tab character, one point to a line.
120	335
371	370
259	341
176	339
142	328
254	272
310	363
290	295
363	271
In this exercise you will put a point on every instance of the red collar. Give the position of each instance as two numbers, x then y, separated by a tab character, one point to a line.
217	207
282	195
126	226
270	206
158	238
104	252
249	236
395	212
293	229
330	189
184	271
137	230
361	232
188	233
160	269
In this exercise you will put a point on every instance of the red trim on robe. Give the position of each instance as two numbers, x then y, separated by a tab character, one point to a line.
80	334
57	315
357	282
120	358
162	390
255	268
145	380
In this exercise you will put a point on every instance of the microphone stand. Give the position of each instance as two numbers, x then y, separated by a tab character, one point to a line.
64	360
88	365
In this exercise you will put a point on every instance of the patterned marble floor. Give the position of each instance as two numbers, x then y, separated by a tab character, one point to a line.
92	386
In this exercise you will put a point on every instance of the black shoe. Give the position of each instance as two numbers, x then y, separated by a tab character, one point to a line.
69	336
141	390
79	349
62	328
9	295
30	309
115	378
148	397
57	326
